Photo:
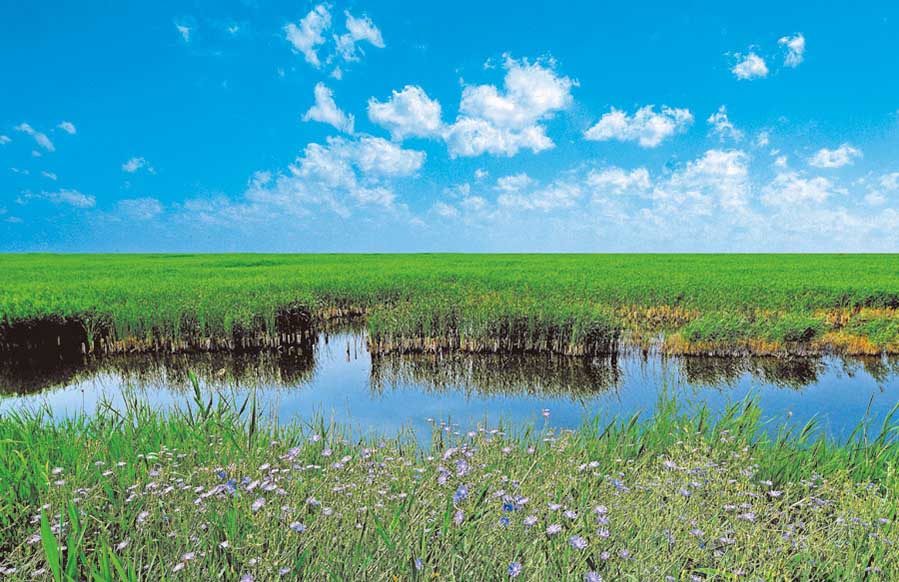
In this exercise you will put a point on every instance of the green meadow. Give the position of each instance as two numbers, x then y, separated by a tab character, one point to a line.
211	491
569	304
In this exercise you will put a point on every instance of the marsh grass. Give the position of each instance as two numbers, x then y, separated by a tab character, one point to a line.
566	304
211	490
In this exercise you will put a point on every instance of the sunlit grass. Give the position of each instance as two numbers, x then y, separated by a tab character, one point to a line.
212	491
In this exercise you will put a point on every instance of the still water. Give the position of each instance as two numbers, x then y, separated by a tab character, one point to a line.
340	381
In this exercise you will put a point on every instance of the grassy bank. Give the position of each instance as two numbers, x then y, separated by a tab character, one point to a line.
207	493
569	304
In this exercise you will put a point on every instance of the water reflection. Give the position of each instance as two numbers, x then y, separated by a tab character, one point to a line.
338	378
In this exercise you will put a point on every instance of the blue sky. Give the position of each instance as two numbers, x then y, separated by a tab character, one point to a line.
464	126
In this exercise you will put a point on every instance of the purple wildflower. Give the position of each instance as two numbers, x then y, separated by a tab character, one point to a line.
577	542
514	569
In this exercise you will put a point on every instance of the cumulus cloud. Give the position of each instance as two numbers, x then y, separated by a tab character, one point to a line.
837	158
325	110
64	197
618	181
505	121
409	112
514	183
722	126
4	139
554	196
789	189
646	127
140	208
306	37
469	137
750	66
41	138
68	127
358	30
137	163
719	178
890	182
795	49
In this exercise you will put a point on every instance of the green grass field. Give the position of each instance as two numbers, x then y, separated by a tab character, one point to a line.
572	304
208	493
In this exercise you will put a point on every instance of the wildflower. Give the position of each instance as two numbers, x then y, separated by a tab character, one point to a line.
188	557
570	514
554	507
514	569
670	464
545	412
603	532
284	571
257	505
504	521
225	545
605	556
461	494
121	545
600	510
592	577
247	578
178	567
418	564
327	511
697	532
748	516
297	527
459	517
625	554
577	542
530	521
553	529
773	493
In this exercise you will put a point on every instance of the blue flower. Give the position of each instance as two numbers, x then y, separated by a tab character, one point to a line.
514	569
461	494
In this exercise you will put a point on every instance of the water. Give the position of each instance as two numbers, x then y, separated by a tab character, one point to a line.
340	381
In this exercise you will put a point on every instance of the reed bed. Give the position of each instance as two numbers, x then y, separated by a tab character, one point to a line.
564	304
211	490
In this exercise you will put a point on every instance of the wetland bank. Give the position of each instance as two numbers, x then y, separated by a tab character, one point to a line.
261	417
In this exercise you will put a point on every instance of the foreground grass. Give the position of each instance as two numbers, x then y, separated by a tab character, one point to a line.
572	304
209	493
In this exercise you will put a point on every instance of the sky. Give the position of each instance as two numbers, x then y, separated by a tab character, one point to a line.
262	126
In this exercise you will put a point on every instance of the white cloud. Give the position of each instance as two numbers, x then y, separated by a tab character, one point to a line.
503	122
554	196
875	198
135	164
718	178
184	31
795	47
140	208
358	29
514	183
645	127
480	174
472	137
618	181
781	161
763	139
308	35
445	210
49	175
842	156
41	138
64	196
789	189
325	110
409	112
722	126
68	127
4	139
749	67
890	181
